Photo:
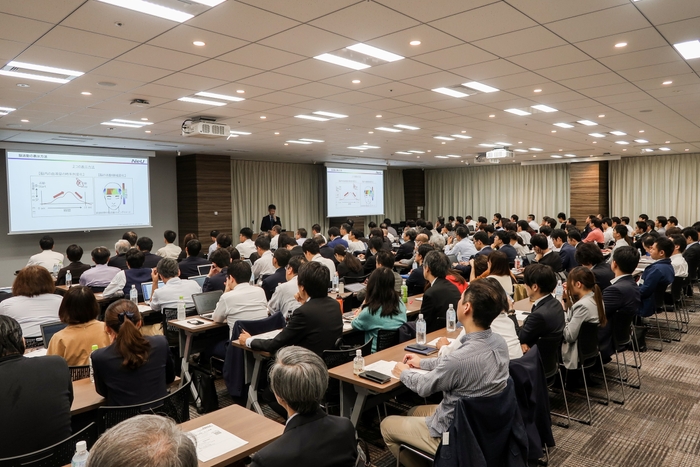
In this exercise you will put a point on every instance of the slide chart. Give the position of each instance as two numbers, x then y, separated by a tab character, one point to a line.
79	196
354	192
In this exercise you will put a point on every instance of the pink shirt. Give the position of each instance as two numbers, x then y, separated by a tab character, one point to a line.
595	235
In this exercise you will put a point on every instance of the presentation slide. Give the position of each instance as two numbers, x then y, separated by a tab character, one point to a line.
62	193
354	192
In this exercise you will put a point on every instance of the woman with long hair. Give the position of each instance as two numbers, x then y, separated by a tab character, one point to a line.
499	270
586	306
134	369
383	308
348	264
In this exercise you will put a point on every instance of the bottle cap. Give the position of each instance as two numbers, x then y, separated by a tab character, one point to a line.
81	446
94	347
181	298
420	316
358	352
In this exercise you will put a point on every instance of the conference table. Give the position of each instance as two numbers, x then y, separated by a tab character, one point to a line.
85	397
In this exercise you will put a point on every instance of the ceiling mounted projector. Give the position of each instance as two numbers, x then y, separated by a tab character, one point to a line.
499	154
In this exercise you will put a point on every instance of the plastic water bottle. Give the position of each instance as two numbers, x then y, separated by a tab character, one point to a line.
92	372
451	319
358	364
559	291
341	286
69	279
181	315
252	278
518	262
55	270
335	283
404	291
420	330
80	457
134	295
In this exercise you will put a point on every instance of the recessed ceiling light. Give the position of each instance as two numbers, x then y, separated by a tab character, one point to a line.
375	52
199	43
502	144
201	101
563	125
403	152
479	87
642	141
86	93
594	142
450	92
688	50
22	85
520	150
312	140
370	132
329	114
486	145
391	130
618	133
407	127
537	90
311	117
126	125
597	135
535	149
363	147
414	42
277	132
587	122
621	44
667	82
234	132
622	142
518	112
144	119
334	59
378	116
601	116
492	116
556	156
209	2
461	136
298	142
263	117
286	144
667	142
24	120
147	131
664	149
356	81
454	156
151	9
443	142
641	131
569	155
520	142
444	138
131	122
544	108
625	149
442	157
240	91
554	131
686	149
219	96
417	152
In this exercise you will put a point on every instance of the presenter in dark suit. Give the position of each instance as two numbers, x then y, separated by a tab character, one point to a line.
316	325
299	379
441	293
188	266
35	396
270	220
546	319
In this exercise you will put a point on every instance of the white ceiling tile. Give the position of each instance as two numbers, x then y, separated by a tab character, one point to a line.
681	31
375	20
274	81
639	39
454	57
161	58
487	21
515	80
354	97
307	40
15	28
260	56
399	42
300	11
316	90
10	49
429	11
401	70
242	21
585	82
604	22
660	13
312	69
655	71
492	69
60	58
391	90
161	91
656	56
520	42
190	82
222	70
550	57
83	42
181	38
573	70
42	10
545	11
119	69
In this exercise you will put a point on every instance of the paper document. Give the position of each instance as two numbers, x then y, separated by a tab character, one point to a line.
143	308
384	367
433	343
420	299
356	287
347	326
36	353
521	315
266	335
213	441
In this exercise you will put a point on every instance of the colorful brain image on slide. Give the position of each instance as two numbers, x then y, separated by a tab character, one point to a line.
115	197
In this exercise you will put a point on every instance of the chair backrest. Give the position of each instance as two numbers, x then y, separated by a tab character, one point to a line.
171	332
550	353
452	259
386	339
355	279
621	329
677	288
335	358
587	344
175	405
59	454
79	372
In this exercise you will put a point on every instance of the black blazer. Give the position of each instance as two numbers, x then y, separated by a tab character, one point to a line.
122	386
297	251
484	251
118	261
315	325
266	224
553	260
416	282
603	275
270	283
35	399
621	297
692	257
316	439
436	301
567	255
510	253
188	266
546	319
215	282
76	269
150	260
405	251
370	263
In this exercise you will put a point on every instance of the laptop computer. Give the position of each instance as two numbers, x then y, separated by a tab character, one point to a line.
204	269
205	303
198	279
146	289
49	329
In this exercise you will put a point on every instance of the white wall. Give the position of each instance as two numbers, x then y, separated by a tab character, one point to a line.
15	250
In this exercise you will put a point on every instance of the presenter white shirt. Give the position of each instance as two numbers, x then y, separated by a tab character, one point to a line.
263	266
326	262
245	302
47	259
32	312
246	248
170	250
169	294
283	299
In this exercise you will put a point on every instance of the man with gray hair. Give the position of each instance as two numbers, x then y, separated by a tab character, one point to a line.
119	260
144	441
173	287
299	379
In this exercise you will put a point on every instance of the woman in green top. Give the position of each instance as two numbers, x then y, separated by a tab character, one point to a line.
383	308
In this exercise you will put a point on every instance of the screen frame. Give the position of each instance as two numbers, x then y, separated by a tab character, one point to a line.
331	165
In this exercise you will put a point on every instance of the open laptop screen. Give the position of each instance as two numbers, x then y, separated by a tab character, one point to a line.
49	329
146	289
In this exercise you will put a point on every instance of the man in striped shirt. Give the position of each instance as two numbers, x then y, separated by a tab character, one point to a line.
478	368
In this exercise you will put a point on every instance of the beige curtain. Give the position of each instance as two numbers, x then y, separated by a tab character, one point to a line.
656	186
296	189
512	189
394	205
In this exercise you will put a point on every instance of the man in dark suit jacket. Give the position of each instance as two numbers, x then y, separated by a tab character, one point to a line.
543	255
299	379
279	260
76	267
441	293
546	318
216	280
188	266
405	251
373	247
270	220
316	325
290	244
590	256
119	259
145	244
501	240
657	276
692	252
567	252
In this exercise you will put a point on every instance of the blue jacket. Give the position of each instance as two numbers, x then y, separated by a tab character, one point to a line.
567	253
655	278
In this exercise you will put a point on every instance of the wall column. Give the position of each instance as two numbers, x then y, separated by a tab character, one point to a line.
588	185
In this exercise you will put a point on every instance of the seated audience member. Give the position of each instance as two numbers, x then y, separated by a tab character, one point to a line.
544	255
673	222
661	223
76	267
586	307
35	396
595	235
279	261
100	275
150	260
316	230
240	299
335	238
311	253
300	236
130	237
290	244
316	325
299	380
355	242
624	220
119	259
144	441
374	246
274	233
441	293
185	241
680	265
546	230
224	240
561	217
498	270
657	276
454	276
546	319
437	242
567	253
523	229
516	241
173	287
284	298
33	302
501	242
589	255
532	223
213	234
640	233
477	368
607	228
170	250
692	253
384	259
574	238
621	237
79	310
246	245
134	369
345	229
405	251
188	266
382	309
621	297
348	264
324	249
263	265
462	247
135	275
216	279
416	280
47	258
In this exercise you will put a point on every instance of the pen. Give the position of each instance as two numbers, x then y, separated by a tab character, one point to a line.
405	359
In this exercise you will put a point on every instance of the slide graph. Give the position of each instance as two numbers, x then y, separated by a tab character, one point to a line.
61	196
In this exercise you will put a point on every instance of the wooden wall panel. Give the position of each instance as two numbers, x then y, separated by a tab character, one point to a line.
414	192
588	184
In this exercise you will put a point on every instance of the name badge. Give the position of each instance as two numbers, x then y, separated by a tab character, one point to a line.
446	438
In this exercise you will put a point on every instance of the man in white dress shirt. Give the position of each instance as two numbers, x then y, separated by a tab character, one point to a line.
263	266
462	247
173	288
213	234
170	250
284	298
312	253
47	258
274	233
246	247
680	265
532	223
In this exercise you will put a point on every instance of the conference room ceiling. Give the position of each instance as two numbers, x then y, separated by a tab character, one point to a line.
263	51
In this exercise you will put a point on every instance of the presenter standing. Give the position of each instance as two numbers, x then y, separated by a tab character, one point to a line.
270	220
